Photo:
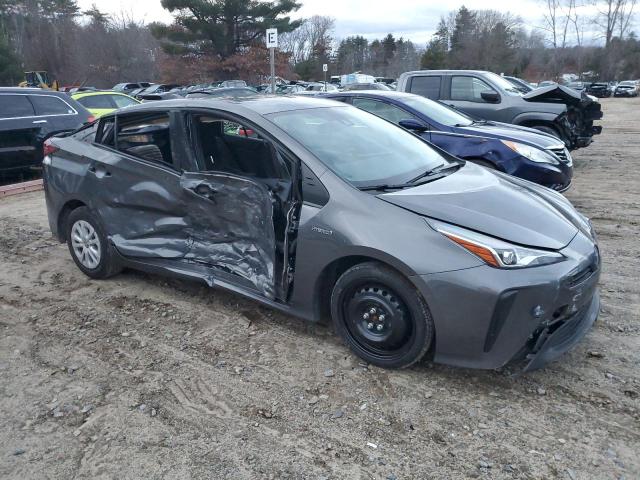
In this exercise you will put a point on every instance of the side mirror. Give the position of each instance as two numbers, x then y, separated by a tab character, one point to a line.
490	97
413	125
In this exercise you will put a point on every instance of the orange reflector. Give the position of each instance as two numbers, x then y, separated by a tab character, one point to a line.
482	252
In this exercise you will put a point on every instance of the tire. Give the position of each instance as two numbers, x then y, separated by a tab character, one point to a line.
85	234
483	163
372	294
547	129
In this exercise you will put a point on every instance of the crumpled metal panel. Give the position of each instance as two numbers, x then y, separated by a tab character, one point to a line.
211	219
233	220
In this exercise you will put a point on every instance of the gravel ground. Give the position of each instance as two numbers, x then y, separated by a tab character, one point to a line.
142	377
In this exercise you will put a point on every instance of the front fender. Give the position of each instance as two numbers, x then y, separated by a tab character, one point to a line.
535	117
472	147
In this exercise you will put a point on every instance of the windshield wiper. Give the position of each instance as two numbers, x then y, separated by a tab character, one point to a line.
426	177
440	169
482	122
386	186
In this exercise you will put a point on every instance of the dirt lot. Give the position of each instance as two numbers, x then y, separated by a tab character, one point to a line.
142	377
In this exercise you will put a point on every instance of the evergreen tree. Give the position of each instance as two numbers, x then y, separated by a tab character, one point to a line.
222	27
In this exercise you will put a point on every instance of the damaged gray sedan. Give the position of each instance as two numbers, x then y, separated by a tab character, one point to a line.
321	210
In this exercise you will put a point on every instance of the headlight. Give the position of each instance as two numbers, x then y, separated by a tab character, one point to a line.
588	226
532	153
494	252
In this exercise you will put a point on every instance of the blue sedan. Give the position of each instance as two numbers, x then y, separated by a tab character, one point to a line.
519	151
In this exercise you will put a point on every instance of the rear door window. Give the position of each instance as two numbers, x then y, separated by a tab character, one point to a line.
15	106
468	89
97	101
385	110
146	137
121	101
50	105
426	86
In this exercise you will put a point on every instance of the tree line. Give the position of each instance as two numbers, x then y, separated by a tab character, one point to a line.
221	39
498	41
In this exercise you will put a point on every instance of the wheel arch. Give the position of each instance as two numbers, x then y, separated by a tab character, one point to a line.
334	269
63	216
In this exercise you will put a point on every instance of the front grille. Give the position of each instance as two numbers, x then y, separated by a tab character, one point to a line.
585	272
580	276
562	153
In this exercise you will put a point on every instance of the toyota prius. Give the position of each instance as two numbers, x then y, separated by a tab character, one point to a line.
324	211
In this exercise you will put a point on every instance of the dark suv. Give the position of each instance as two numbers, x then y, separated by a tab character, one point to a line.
555	109
28	116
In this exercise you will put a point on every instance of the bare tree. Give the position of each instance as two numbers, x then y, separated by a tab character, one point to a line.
313	36
614	16
556	19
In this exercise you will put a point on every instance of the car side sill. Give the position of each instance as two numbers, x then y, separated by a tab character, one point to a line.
200	273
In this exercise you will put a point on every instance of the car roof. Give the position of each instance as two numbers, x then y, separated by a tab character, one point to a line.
372	93
441	72
92	93
25	90
263	105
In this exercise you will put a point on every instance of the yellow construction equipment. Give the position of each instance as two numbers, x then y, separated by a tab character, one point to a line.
39	80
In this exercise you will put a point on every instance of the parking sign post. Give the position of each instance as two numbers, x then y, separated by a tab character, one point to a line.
325	67
272	44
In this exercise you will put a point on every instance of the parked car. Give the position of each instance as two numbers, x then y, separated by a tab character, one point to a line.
103	102
155	91
329	211
555	109
319	87
521	85
28	116
235	92
233	84
628	88
287	89
130	87
578	86
519	151
547	83
599	89
365	86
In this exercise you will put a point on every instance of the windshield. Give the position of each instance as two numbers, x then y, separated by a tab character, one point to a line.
504	84
628	83
438	112
359	147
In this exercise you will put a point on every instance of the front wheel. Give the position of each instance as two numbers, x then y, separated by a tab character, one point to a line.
381	316
548	130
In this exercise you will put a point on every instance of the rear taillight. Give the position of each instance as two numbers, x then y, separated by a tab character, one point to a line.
49	148
91	119
245	132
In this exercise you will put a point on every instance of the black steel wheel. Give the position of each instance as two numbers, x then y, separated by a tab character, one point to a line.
381	316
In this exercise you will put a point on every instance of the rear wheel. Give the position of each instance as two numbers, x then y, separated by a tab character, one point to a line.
381	316
89	246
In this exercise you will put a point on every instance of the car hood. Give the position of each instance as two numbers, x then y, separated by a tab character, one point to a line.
494	204
558	94
505	131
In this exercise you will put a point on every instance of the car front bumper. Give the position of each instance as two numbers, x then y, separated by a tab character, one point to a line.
557	177
551	343
486	317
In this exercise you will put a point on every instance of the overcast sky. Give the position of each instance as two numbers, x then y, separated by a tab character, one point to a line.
412	19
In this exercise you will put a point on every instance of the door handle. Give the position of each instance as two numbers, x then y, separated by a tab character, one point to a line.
39	121
205	191
99	171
